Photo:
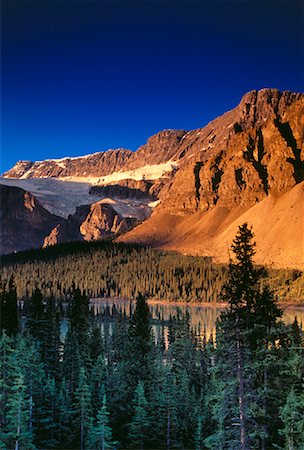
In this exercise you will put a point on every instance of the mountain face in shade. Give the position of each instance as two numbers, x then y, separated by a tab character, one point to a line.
24	222
247	164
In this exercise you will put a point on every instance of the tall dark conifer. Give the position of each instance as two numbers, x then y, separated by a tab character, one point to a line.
140	342
241	330
8	308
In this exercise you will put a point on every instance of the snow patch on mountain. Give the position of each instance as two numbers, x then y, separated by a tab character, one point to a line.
63	197
151	172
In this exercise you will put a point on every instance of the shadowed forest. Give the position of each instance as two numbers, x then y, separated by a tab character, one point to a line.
94	390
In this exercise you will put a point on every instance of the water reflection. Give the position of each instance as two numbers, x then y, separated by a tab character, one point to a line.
202	318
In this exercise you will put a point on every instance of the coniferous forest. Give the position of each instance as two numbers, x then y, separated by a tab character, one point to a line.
93	389
103	269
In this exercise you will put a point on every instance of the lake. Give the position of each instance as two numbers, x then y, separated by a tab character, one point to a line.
202	317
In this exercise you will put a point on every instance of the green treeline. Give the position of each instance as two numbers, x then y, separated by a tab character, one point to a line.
126	389
105	269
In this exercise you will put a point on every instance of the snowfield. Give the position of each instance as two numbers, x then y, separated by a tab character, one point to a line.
152	172
62	197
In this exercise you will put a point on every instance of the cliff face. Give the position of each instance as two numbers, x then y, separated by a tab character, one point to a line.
95	165
24	222
159	149
246	165
242	156
90	222
251	159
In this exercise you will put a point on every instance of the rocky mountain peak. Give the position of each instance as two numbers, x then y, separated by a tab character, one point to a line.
257	107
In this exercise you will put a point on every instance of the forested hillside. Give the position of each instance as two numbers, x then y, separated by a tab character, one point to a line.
128	390
104	269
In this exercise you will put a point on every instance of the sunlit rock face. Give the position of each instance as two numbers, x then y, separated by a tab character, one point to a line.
247	164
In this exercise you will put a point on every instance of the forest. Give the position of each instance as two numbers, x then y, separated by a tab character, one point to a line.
103	269
129	390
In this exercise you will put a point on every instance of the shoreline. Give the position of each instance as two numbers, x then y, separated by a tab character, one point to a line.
282	305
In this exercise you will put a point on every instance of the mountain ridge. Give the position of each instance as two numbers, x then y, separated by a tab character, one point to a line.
211	175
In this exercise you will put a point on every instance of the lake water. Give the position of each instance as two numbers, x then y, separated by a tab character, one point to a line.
201	317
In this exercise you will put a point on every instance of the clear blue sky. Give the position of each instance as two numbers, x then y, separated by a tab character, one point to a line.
84	76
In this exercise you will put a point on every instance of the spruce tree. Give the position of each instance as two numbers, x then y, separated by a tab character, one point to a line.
292	416
100	435
82	408
241	330
8	308
138	430
18	431
139	346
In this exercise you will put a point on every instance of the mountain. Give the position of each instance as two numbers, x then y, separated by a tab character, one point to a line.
90	222
246	165
24	222
158	150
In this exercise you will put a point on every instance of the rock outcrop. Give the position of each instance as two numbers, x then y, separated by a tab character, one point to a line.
24	222
124	189
94	165
91	222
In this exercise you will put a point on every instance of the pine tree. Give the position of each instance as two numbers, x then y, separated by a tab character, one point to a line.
18	431
292	416
139	344
8	308
6	373
199	434
241	330
138	430
100	435
79	320
82	408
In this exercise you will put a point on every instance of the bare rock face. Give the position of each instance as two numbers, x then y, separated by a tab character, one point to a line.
19	169
124	189
244	165
90	222
241	157
24	222
101	221
160	148
95	165
67	231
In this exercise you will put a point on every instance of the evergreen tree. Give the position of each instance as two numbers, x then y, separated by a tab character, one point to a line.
292	416
100	435
79	323
239	334
82	408
97	380
8	308
18	431
199	434
138	430
6	374
139	344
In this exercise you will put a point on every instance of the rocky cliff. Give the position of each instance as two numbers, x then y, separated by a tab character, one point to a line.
246	164
242	166
24	222
90	222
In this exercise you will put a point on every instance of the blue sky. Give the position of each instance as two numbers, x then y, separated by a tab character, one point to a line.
84	76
